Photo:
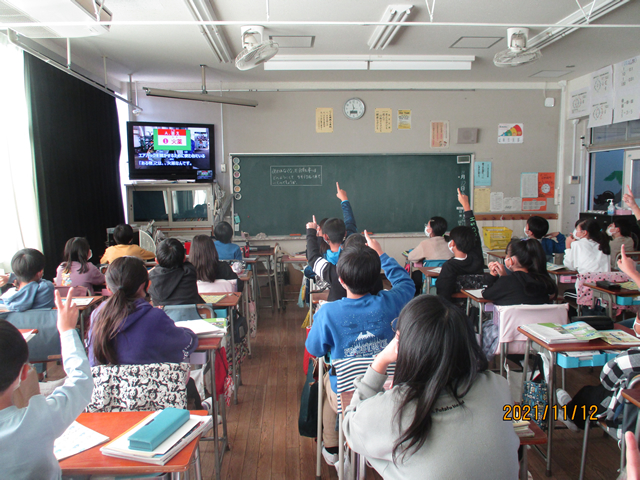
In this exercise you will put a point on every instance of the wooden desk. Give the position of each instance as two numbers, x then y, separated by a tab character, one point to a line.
292	260
481	302
86	309
112	424
554	349
270	257
220	445
230	301
28	331
609	296
497	254
433	272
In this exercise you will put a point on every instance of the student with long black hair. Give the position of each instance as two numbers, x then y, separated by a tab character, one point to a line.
588	248
127	330
204	256
75	269
443	418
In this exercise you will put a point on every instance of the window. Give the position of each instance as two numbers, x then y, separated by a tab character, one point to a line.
623	132
606	178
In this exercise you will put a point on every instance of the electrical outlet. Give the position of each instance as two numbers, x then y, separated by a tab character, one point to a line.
223	168
572	201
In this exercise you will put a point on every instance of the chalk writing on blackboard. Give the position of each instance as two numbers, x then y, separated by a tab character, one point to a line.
296	175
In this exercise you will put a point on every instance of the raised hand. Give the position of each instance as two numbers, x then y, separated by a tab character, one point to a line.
626	264
67	312
464	201
373	243
342	195
313	225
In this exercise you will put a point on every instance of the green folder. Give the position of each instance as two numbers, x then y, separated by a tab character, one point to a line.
159	428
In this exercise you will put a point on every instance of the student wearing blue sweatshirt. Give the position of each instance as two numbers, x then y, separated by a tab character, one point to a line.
27	434
31	291
358	325
538	228
223	233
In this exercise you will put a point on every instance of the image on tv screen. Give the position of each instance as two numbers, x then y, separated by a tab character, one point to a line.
168	147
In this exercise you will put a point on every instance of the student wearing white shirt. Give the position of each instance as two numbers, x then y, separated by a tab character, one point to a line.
588	249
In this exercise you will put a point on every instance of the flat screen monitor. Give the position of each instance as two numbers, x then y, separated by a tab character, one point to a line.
169	151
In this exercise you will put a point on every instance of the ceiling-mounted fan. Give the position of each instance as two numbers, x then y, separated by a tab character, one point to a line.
518	53
253	52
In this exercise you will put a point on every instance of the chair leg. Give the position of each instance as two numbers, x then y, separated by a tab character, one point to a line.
585	443
503	347
319	430
197	465
340	449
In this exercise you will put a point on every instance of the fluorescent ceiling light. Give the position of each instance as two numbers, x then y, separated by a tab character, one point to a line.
201	97
582	16
383	34
202	11
370	62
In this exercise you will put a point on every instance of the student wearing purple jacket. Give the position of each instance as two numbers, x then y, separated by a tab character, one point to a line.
127	330
75	269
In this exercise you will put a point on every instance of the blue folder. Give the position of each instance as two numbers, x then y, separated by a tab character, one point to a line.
159	428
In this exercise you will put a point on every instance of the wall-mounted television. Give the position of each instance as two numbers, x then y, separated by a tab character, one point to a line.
169	151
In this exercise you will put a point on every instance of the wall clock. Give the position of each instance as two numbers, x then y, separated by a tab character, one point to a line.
354	108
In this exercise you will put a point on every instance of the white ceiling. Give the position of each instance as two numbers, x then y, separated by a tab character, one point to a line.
165	54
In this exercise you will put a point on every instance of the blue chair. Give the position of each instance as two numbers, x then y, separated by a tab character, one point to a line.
47	342
426	288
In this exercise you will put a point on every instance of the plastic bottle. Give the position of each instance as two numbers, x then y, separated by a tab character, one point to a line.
611	210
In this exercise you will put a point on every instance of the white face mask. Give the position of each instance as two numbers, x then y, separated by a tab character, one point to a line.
525	231
575	233
450	247
610	230
426	231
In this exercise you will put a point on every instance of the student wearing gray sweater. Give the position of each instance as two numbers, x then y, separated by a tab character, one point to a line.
443	418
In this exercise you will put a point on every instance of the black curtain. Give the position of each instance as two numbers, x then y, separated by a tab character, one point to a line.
76	147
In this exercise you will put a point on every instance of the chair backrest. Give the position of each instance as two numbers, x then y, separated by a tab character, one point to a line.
347	369
47	340
180	313
513	316
78	291
132	388
433	263
585	295
219	286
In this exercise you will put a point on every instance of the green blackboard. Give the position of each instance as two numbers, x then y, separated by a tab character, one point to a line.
278	194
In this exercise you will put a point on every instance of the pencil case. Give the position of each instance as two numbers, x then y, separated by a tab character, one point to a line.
158	429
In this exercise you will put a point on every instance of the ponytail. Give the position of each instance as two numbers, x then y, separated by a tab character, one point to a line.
595	233
531	256
124	277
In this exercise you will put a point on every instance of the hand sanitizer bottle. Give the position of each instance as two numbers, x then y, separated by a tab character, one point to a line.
612	208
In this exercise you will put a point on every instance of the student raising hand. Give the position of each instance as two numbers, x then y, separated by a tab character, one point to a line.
464	201
627	265
313	225
342	195
67	312
373	243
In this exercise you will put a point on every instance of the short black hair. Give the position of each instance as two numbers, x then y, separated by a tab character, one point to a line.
624	225
170	253
438	226
359	269
335	229
223	232
123	234
538	226
14	353
463	237
355	240
27	263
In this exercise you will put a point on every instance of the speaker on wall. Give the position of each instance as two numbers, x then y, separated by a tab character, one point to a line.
467	136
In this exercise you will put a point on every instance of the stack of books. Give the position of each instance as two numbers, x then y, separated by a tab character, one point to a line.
578	332
203	328
522	428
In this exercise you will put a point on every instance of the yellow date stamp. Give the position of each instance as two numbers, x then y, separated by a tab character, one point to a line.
527	412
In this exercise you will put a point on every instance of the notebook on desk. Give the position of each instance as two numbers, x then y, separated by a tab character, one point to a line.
212	298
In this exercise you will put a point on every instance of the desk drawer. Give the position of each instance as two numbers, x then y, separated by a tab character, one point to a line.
599	360
628	300
568	279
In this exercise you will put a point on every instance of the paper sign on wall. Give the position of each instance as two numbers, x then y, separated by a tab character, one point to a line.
482	199
512	204
440	134
324	120
383	120
497	201
626	106
404	119
601	113
579	103
534	204
511	133
482	174
529	185
546	184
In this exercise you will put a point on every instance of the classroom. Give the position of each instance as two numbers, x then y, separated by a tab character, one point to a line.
399	104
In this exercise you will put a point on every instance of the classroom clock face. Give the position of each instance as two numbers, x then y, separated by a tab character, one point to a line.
354	108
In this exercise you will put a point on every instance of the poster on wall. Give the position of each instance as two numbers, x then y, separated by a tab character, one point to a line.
497	201
482	174
440	134
324	120
383	120
626	106
534	204
404	119
528	185
509	133
579	103
512	204
546	184
601	113
602	84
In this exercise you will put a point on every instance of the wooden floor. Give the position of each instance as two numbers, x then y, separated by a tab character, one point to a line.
263	428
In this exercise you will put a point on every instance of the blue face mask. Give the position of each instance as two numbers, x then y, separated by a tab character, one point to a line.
332	257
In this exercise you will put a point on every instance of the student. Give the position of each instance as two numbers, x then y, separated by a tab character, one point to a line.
127	330
358	325
174	280
537	227
223	234
31	291
123	236
628	266
327	271
75	269
204	257
433	248
588	248
527	284
619	231
27	434
443	400
466	247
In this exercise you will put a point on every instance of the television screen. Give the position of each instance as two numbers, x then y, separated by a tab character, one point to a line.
160	151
